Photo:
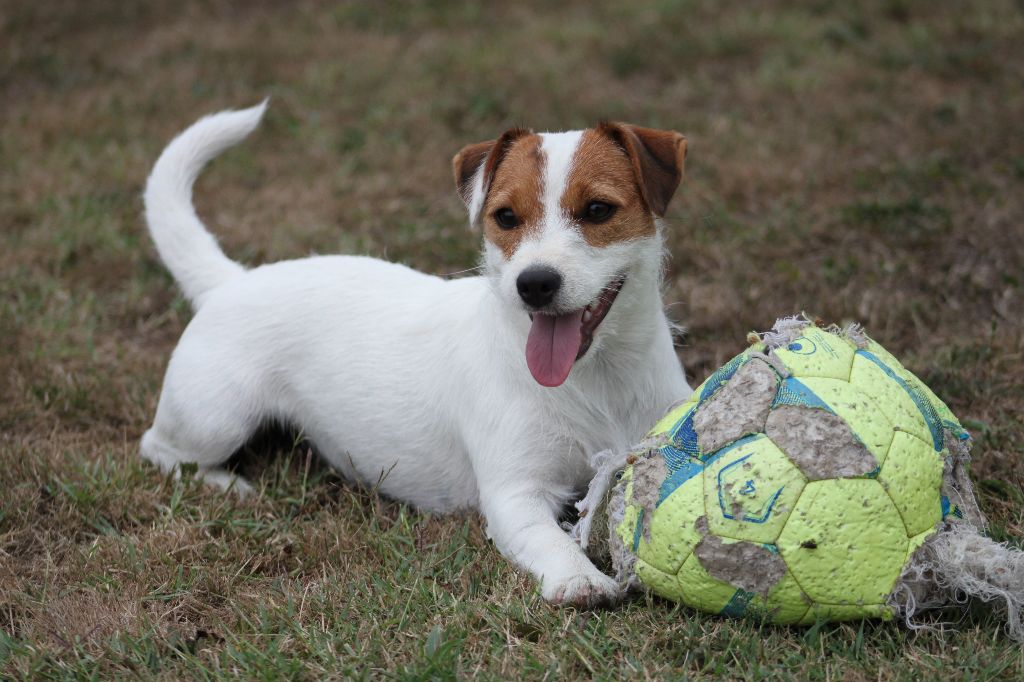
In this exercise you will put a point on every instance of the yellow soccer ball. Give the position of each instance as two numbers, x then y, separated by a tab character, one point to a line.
795	483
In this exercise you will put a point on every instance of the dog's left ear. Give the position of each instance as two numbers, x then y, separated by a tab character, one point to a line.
657	157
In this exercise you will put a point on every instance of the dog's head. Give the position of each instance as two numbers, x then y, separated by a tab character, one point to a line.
568	220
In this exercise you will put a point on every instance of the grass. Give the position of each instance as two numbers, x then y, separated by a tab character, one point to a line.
855	160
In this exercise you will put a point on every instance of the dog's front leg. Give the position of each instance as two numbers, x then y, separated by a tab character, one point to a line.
524	526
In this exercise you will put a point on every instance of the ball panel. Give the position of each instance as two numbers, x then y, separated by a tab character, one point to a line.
890	396
845	543
700	591
865	419
935	412
793	393
629	527
841	612
675	416
949	419
923	398
705	391
680	469
748	566
818	354
750	489
682	441
737	409
819	442
912	475
721	376
885	356
785	603
918	540
662	584
672	532
678	423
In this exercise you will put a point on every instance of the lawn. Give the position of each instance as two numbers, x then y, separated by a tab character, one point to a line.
859	161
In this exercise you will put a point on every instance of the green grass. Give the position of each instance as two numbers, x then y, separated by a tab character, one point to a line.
860	161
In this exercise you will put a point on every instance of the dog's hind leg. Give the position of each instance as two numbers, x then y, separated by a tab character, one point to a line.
202	419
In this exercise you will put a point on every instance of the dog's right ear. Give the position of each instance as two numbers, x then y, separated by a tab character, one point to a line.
466	163
657	156
475	165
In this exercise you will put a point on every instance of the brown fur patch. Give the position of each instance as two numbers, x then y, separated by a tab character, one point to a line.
516	185
491	153
602	171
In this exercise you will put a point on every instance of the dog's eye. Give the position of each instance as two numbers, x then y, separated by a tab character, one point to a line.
506	218
598	211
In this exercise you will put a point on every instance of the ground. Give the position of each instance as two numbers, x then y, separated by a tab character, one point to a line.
860	161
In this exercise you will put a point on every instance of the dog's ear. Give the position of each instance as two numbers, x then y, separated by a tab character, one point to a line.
475	165
466	163
657	157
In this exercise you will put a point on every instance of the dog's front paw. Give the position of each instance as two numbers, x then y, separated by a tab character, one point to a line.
582	589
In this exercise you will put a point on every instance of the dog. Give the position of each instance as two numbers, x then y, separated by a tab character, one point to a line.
485	392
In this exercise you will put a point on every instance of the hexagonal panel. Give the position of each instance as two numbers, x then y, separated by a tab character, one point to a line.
673	535
890	396
819	442
750	488
866	420
845	542
912	475
818	354
935	413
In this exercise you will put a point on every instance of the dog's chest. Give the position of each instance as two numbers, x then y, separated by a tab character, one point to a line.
611	420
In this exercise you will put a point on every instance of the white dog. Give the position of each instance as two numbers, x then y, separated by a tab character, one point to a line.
484	392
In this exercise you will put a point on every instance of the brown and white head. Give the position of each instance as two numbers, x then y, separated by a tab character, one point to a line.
570	221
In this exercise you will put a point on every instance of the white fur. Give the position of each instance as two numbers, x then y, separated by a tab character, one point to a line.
406	377
186	248
558	150
477	194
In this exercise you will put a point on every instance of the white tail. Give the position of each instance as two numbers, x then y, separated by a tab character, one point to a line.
188	250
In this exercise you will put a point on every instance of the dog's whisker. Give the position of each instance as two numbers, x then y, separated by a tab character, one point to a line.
477	268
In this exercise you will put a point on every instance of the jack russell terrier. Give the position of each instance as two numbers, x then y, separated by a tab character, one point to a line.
485	392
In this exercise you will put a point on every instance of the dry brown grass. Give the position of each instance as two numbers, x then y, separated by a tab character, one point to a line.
855	162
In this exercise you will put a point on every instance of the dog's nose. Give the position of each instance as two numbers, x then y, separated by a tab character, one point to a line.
538	285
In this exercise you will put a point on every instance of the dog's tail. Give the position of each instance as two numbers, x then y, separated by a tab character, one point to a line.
188	250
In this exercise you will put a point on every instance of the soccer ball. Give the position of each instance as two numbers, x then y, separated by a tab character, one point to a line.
795	484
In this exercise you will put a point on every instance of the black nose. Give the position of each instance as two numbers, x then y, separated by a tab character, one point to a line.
538	285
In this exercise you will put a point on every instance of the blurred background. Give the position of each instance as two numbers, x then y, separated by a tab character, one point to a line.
857	161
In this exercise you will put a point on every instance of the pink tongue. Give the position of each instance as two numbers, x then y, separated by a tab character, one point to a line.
553	345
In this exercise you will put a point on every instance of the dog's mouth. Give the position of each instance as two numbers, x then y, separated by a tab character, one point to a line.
557	341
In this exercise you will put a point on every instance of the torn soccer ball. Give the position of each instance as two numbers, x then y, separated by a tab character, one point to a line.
811	477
